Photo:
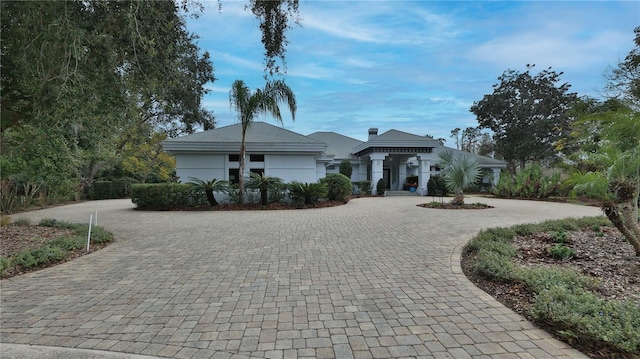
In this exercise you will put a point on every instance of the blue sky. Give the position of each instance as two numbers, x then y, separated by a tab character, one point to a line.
414	66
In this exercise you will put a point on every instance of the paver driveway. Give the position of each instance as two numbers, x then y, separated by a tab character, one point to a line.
378	277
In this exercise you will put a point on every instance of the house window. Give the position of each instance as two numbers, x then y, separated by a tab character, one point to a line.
256	158
234	175
259	171
234	158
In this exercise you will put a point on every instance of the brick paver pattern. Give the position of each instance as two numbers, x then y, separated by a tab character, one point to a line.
375	278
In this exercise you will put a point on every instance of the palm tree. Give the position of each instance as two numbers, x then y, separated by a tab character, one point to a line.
264	183
249	105
458	172
209	187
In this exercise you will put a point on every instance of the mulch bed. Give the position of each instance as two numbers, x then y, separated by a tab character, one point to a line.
16	239
603	254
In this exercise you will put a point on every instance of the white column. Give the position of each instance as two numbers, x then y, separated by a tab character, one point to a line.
376	170
496	176
424	172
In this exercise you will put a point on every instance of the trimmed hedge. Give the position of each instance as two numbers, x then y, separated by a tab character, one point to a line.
120	188
166	196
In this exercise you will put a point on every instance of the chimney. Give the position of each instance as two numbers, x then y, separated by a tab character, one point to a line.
373	133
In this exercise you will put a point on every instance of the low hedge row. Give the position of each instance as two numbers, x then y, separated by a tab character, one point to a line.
166	196
563	299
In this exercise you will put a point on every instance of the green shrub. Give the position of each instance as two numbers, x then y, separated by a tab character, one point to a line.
22	222
560	251
346	168
541	279
307	193
495	266
437	186
39	256
560	237
580	315
166	196
338	186
528	183
120	188
381	186
47	222
362	187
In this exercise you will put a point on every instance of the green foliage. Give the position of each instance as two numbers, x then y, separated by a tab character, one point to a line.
120	188
381	186
493	262
99	82
437	186
48	222
264	184
458	172
528	183
338	185
560	236
578	315
58	248
9	201
346	168
208	188
248	105
5	220
560	251
562	301
362	187
166	196
527	114
307	193
541	279
22	222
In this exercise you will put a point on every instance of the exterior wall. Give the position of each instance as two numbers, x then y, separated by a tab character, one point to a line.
201	165
288	167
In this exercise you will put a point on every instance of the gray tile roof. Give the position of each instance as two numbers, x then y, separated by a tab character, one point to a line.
260	137
395	138
339	146
257	132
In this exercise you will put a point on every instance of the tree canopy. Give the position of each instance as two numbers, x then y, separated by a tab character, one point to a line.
83	79
527	114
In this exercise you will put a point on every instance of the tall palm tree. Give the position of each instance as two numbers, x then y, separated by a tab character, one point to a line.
249	105
458	172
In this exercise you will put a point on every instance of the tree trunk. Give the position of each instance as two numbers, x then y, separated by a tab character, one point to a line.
459	198
210	198
623	217
264	196
241	173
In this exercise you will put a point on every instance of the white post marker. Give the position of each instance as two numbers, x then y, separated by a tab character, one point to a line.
89	234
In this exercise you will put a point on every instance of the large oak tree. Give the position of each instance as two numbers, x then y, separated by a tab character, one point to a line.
527	114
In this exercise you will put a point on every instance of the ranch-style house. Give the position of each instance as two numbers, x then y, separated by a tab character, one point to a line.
393	155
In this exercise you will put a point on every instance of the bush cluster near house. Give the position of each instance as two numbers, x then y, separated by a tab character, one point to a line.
258	189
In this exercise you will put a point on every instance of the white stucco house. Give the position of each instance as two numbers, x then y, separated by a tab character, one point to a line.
278	152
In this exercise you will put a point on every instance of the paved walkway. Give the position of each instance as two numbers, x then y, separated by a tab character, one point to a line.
376	278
